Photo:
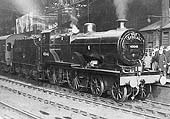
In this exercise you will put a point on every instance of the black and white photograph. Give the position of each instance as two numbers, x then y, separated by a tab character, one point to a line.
84	59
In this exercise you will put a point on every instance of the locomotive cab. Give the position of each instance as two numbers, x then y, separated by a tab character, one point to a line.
9	47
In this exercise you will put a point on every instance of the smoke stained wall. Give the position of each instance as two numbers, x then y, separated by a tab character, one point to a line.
140	9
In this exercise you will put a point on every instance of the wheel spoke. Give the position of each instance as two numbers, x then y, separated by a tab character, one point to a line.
98	90
120	96
144	94
54	77
76	83
116	86
51	75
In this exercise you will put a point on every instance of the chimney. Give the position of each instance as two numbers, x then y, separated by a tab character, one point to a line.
165	12
121	23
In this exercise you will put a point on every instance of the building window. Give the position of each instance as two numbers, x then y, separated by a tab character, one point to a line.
165	38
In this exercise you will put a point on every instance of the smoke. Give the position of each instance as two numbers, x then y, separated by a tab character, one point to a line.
74	21
121	8
26	6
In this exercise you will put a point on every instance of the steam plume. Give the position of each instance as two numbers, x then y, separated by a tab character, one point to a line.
26	6
74	21
121	8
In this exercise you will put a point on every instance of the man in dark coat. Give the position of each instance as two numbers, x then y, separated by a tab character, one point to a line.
167	54
162	61
155	59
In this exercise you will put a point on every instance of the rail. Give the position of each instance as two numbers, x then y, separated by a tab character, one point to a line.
23	113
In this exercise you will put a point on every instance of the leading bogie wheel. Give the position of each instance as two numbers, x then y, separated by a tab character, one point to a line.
97	85
144	91
119	93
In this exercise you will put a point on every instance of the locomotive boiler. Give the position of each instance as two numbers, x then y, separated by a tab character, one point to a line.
112	48
108	61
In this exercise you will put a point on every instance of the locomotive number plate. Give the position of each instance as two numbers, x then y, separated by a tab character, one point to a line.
134	46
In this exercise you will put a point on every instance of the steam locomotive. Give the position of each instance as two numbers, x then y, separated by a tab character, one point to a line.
108	61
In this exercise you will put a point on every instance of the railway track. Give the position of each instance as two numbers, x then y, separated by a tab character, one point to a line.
157	105
158	109
19	114
139	108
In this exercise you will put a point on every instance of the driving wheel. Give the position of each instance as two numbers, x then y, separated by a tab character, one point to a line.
97	85
74	81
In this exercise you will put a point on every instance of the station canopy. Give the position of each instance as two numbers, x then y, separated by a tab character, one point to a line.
152	27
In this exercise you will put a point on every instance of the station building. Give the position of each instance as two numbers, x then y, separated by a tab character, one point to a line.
158	33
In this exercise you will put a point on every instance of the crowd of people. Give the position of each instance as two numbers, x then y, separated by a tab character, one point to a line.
159	60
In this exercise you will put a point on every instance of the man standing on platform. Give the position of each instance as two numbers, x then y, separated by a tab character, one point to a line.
162	61
167	54
155	58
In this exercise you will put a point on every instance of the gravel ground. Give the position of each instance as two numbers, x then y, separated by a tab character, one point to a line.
46	111
37	108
